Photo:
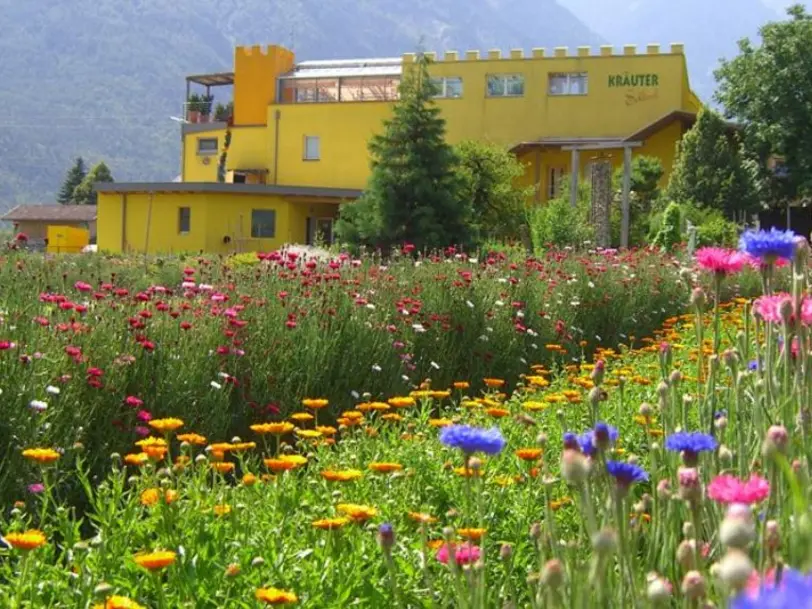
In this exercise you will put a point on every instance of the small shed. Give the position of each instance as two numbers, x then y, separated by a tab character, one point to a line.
34	220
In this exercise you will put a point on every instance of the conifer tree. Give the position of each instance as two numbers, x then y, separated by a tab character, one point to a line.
414	195
73	178
85	194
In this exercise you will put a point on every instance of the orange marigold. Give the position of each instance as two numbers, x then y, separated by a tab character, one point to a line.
136	459
341	475
155	561
301	416
119	602
359	513
314	403
274	596
401	402
222	510
422	518
27	540
440	422
329	524
471	533
41	455
166	425
497	412
192	438
494	383
326	430
277	429
249	479
308	434
461	385
223	467
150	497
528	454
384	467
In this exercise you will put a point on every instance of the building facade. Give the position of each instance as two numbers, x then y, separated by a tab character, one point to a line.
298	135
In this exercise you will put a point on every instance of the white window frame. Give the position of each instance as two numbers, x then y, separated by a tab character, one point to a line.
441	83
570	78
506	80
207	152
307	153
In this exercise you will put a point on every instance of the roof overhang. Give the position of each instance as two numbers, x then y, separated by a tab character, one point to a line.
218	79
228	188
51	213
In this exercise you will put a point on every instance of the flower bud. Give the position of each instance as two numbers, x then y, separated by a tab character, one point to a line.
693	585
690	485
662	389
720	423
552	574
775	441
731	358
785	310
257	561
535	530
675	378
542	439
773	535
713	363
658	590
598	372
685	553
664	489
735	569
698	298
103	590
645	410
386	536
725	455
505	551
604	542
574	467
595	395
737	529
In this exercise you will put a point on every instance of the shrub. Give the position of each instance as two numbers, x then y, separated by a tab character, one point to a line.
557	224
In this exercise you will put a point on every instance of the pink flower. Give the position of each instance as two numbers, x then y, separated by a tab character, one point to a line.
144	415
464	553
133	401
769	308
720	260
757	263
142	431
83	286
729	489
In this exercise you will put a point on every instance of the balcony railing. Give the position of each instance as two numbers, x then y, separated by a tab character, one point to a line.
203	112
349	89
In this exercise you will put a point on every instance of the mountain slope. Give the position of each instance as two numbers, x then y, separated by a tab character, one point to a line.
709	29
100	78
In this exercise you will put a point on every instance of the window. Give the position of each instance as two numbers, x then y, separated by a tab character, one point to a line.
505	85
447	87
184	220
263	223
311	148
574	83
207	145
554	182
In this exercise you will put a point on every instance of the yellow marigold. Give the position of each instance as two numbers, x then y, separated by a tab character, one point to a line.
279	465
277	429
494	383
151	441
326	430
240	447
528	454
435	544
192	438
461	385
421	394
41	455
534	406
353	415
223	467
119	602
440	422
497	412
422	518
385	467
150	497
470	404
301	417
329	524
537	380
171	495
342	475
504	480
166	425
392	417
221	447
314	403
155	561
274	596
154	452
557	504
439	394
136	459
471	533
368	406
233	570
222	510
308	434
359	513
27	540
401	401
295	459
468	472
249	479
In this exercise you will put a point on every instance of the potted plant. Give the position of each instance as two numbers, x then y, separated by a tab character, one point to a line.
193	108
222	112
206	102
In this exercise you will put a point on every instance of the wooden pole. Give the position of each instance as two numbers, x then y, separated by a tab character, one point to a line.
575	169
149	222
627	180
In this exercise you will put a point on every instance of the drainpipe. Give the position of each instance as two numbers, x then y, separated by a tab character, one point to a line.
277	117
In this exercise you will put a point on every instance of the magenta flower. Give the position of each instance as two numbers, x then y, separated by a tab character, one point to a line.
133	401
142	431
36	488
144	415
729	489
464	553
720	260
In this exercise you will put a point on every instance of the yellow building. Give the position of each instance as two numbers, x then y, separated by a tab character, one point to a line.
299	134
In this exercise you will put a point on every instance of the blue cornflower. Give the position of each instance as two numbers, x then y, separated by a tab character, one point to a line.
793	592
690	444
473	439
600	438
768	244
571	440
753	365
626	473
720	413
587	446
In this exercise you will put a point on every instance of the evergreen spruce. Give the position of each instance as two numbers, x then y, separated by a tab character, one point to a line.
84	194
414	195
73	178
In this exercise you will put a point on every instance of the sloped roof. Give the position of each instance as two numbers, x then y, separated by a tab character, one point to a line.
51	213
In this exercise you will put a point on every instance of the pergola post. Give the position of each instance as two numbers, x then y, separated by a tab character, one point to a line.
627	179
575	169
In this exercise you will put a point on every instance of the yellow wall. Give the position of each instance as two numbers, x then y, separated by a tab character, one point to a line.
66	239
255	76
213	216
39	230
201	167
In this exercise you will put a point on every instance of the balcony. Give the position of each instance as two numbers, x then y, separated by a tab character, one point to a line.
200	106
341	81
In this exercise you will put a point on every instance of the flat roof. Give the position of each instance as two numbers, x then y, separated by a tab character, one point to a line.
346	68
228	188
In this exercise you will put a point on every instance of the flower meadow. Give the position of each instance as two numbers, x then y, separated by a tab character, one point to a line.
584	430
